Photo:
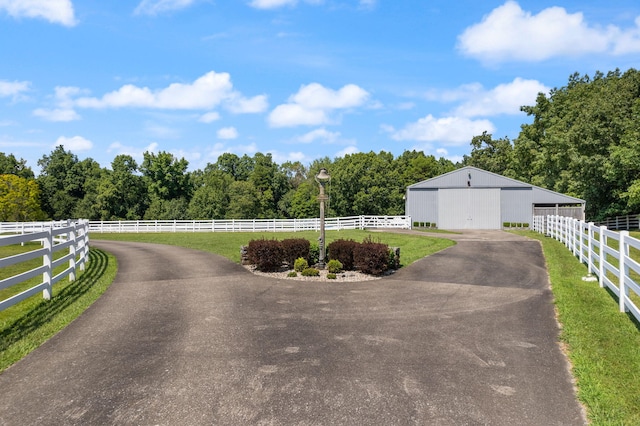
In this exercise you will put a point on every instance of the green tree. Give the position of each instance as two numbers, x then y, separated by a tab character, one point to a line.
19	199
64	181
584	141
244	201
10	165
492	155
212	196
122	193
166	176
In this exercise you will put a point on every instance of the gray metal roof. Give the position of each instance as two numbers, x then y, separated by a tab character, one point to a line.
477	178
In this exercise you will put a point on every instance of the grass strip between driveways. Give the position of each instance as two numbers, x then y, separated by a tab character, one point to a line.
30	323
602	343
227	244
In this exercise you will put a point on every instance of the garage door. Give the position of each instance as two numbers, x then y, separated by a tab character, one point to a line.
469	208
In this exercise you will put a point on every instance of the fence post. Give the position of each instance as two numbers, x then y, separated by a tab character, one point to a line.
72	251
603	255
590	247
623	270
46	262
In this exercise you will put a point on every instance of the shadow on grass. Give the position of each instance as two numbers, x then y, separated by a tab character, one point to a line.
629	315
47	310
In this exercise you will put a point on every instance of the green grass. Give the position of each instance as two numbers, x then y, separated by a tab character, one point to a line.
603	344
28	324
227	244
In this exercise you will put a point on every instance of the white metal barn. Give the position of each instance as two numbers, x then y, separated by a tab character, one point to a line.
472	198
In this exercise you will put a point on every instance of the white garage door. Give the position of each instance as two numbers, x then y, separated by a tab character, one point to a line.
469	208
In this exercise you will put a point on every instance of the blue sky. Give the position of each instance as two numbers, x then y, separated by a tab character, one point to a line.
300	79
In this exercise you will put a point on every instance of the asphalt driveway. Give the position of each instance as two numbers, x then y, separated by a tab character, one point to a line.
464	337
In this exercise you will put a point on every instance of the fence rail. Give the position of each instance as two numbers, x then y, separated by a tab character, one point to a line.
53	238
611	256
622	223
250	225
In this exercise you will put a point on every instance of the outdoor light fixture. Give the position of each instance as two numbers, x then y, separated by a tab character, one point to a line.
322	178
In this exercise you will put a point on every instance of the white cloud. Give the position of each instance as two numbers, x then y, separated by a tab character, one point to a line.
54	11
503	99
322	135
75	143
510	33
241	105
227	133
272	4
220	148
450	131
209	117
13	89
57	114
154	7
347	151
368	4
137	153
206	92
313	104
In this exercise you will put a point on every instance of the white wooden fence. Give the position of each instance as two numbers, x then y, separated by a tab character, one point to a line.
606	253
54	237
250	225
625	223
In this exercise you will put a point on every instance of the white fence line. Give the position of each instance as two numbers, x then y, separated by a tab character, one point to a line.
606	253
620	223
53	238
250	225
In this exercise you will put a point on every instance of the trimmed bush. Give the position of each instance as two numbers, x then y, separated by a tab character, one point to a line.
334	266
295	248
310	272
267	255
331	276
394	258
371	257
300	264
342	250
314	253
292	274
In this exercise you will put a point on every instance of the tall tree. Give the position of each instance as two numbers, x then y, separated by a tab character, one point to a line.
10	165
584	141
492	155
19	199
64	181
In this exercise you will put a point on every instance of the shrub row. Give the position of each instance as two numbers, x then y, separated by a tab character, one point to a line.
424	225
514	225
369	257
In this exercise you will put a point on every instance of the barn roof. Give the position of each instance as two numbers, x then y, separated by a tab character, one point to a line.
477	178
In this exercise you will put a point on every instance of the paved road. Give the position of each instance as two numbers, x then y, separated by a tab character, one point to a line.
464	337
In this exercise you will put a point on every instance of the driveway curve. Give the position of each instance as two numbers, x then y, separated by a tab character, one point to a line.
467	336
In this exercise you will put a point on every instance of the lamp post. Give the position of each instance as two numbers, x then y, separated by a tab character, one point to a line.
322	178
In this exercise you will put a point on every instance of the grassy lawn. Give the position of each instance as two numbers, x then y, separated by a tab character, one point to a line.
603	344
227	244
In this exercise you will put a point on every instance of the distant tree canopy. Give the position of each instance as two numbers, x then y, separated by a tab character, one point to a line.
584	140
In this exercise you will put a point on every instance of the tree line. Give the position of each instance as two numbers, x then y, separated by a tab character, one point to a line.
234	187
584	141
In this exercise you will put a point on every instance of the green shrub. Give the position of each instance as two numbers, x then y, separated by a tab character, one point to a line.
310	272
295	248
371	257
300	264
292	274
334	266
506	224
416	224
267	255
342	250
394	258
331	276
427	225
314	253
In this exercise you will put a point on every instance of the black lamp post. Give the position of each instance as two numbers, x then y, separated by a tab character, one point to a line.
322	178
